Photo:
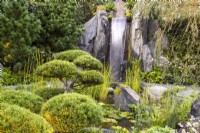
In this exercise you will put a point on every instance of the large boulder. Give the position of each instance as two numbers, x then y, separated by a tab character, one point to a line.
95	38
125	96
156	92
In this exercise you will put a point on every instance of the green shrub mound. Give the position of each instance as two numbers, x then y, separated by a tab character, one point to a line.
70	55
47	93
91	77
71	112
14	119
88	62
157	129
57	68
24	99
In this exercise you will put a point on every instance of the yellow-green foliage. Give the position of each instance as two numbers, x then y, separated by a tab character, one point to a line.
71	112
119	129
133	78
101	7
88	62
117	91
24	99
47	93
106	84
158	130
57	68
91	77
70	55
14	119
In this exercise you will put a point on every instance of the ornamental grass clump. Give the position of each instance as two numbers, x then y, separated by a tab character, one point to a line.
14	119
24	99
71	112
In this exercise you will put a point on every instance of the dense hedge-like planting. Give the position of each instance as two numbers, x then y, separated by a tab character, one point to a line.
91	77
14	119
157	129
70	55
71	112
24	99
88	62
47	93
57	68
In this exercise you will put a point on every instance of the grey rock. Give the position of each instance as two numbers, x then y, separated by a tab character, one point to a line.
152	47
110	89
86	41
153	30
156	92
162	62
186	93
191	126
147	59
138	34
195	108
95	38
101	41
120	12
127	96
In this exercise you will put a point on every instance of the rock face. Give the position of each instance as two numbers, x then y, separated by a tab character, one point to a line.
86	41
101	41
145	35
95	38
195	109
138	35
127	96
147	59
119	4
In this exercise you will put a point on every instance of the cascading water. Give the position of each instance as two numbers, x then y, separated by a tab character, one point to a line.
117	46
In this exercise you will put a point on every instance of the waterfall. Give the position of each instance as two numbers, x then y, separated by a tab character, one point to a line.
117	46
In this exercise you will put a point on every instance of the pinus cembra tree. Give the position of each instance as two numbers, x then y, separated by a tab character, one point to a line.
18	29
75	68
60	28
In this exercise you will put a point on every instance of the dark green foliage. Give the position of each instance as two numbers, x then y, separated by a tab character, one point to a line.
88	62
47	93
57	69
70	55
24	99
14	119
71	112
18	29
184	58
90	77
60	29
